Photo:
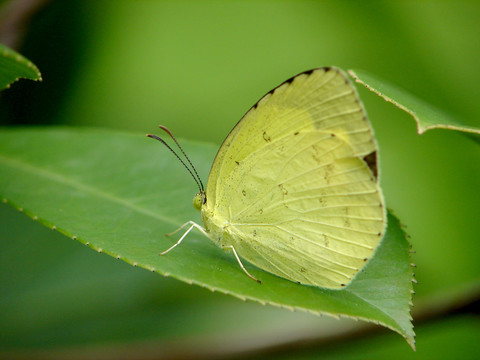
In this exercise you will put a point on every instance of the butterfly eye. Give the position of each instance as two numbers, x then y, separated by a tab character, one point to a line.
198	201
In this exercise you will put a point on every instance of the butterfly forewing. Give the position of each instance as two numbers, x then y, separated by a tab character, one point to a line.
290	188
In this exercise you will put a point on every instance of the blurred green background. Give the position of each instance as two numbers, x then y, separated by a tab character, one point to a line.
197	67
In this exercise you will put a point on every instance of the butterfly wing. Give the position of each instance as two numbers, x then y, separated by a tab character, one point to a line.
293	187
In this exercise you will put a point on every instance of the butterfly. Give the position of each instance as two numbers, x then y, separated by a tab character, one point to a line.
294	187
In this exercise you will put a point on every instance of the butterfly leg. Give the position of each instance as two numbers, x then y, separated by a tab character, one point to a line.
202	230
192	225
240	262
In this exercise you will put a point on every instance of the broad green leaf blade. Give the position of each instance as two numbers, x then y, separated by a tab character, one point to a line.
426	115
14	66
119	193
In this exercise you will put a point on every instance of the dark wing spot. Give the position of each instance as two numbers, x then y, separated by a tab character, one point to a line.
326	242
283	189
296	133
366	259
371	160
342	284
266	137
236	162
289	81
244	193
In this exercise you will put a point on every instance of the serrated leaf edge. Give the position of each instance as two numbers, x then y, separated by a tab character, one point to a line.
12	54
420	128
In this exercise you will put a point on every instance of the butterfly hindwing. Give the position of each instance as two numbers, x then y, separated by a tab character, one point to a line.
318	217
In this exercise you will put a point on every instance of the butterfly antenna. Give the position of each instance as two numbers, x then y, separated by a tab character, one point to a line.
178	157
183	152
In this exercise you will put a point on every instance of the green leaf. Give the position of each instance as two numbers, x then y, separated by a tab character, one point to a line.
58	294
119	193
14	66
426	115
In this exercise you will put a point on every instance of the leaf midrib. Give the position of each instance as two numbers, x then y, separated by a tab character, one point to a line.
58	178
375	306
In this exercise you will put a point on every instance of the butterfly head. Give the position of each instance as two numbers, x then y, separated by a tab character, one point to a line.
199	200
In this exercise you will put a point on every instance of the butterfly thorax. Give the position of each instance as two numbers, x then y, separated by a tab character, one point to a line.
218	228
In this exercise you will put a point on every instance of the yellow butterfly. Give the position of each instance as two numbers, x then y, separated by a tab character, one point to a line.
294	187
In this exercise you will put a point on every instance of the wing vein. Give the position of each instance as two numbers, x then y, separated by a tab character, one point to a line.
323	247
315	261
308	221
